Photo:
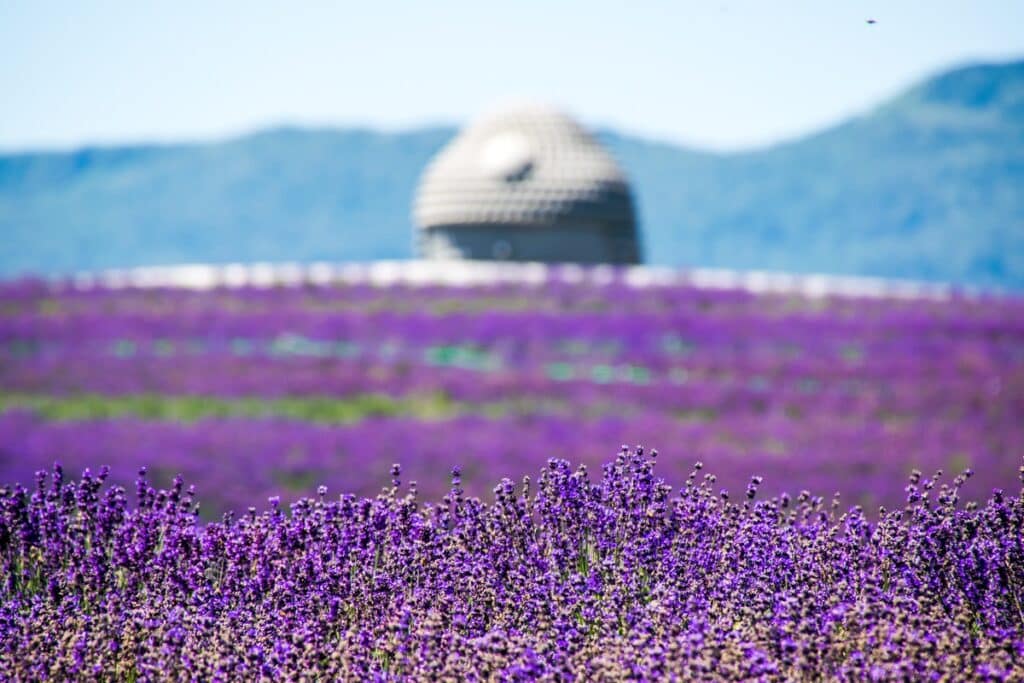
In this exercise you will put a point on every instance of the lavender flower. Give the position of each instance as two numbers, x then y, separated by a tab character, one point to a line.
569	578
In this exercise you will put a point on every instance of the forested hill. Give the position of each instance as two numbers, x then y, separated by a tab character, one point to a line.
927	186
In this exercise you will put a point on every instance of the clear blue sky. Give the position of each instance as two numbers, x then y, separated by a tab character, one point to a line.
716	74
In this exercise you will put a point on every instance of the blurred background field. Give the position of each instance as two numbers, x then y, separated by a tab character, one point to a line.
252	392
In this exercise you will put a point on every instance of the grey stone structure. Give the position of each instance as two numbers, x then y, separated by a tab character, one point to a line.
526	184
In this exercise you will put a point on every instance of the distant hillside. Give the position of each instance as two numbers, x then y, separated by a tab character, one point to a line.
928	186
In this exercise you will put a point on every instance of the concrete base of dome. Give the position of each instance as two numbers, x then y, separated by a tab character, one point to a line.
590	244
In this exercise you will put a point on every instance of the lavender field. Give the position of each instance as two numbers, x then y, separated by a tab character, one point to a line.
252	392
350	482
565	577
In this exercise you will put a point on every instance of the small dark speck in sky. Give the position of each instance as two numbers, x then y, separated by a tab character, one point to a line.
872	21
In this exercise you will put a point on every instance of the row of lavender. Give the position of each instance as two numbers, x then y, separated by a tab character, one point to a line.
731	344
237	461
724	351
829	394
573	576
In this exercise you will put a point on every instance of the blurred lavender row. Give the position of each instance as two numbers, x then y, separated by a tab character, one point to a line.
235	461
826	393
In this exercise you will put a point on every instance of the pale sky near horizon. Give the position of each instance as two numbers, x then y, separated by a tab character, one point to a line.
727	74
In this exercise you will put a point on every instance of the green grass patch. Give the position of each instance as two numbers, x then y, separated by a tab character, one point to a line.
325	409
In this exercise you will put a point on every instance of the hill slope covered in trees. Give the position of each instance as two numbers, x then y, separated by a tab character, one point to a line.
926	186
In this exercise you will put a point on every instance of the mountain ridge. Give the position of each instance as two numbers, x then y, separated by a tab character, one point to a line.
924	187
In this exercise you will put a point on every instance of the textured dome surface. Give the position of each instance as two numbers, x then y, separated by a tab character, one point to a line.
529	166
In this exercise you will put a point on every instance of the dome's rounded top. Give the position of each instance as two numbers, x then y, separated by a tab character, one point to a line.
524	165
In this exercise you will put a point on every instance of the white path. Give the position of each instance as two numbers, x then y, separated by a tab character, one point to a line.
466	273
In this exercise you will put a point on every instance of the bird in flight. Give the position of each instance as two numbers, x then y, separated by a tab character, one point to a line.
872	21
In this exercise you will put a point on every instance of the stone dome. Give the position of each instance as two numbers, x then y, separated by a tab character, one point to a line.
527	183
